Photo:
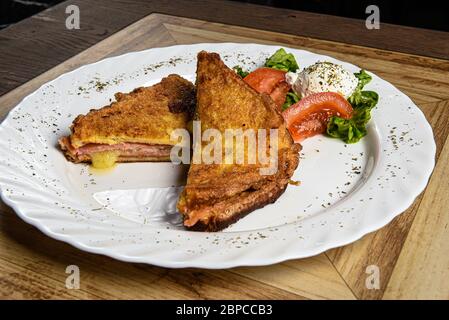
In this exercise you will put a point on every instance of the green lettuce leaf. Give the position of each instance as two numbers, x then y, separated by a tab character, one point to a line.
290	99
364	99
240	71
364	78
282	60
354	129
349	130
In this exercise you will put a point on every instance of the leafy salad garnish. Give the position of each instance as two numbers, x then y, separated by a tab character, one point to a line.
282	60
354	129
290	99
242	73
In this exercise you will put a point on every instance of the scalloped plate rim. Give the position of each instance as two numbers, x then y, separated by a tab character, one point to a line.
343	240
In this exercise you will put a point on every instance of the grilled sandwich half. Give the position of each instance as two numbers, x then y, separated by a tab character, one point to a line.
136	127
217	195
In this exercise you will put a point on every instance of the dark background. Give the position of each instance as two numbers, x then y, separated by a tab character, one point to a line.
12	11
430	14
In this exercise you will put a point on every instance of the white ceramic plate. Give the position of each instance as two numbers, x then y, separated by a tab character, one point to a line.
129	214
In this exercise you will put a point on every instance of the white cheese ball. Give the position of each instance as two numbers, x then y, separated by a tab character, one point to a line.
322	77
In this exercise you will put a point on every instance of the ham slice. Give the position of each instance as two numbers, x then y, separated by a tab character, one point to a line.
127	151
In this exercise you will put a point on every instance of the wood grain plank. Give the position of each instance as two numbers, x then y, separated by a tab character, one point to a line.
41	42
102	281
382	248
423	79
44	40
422	270
309	278
147	33
39	263
314	278
432	86
17	283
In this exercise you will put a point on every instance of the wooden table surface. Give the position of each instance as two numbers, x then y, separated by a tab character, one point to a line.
411	251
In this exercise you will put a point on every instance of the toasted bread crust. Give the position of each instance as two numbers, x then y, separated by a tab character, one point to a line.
215	225
145	115
234	208
218	195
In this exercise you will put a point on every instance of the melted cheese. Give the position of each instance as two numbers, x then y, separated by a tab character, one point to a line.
104	159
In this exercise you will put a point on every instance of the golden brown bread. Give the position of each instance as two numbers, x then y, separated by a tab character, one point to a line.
217	195
147	115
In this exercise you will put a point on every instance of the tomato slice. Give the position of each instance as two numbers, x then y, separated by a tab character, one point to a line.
265	79
269	81
310	115
279	93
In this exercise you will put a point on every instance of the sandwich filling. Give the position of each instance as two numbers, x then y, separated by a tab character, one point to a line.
136	127
106	155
